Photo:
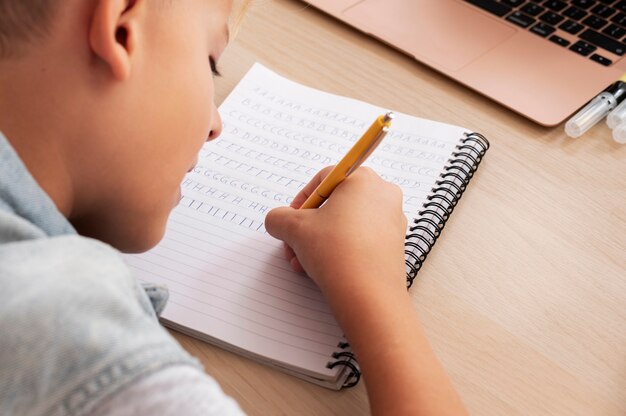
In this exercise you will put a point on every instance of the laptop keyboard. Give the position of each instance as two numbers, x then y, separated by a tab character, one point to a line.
592	28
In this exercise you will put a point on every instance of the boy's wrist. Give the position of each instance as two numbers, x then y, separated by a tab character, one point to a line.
366	282
362	298
376	328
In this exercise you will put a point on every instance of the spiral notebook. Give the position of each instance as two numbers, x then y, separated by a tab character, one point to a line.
229	282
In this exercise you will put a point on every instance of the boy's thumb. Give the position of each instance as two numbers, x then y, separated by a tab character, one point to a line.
283	223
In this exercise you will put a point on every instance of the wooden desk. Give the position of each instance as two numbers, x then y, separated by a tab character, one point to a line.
524	296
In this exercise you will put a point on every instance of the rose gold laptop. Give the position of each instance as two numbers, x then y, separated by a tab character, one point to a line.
543	59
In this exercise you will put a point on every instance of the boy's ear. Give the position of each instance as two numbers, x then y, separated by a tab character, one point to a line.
113	34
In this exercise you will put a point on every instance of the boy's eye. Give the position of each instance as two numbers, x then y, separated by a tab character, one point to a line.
214	69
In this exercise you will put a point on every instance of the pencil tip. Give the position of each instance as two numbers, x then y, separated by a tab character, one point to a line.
389	117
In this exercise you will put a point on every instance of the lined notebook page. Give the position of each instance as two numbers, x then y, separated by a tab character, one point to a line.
227	277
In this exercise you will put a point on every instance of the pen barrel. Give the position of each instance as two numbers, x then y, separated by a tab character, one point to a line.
590	115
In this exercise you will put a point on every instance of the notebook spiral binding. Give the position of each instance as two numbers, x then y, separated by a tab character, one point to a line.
346	359
449	188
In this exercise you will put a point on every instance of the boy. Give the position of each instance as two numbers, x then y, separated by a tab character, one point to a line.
103	108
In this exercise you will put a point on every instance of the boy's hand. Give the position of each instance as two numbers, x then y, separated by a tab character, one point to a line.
360	228
353	247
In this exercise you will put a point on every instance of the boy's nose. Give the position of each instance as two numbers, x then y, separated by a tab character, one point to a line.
216	126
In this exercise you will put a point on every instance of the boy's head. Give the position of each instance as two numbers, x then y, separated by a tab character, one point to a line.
108	103
22	20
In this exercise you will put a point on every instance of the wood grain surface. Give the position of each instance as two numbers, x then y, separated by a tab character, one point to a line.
524	295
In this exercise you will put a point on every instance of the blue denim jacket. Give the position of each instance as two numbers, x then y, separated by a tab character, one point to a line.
75	326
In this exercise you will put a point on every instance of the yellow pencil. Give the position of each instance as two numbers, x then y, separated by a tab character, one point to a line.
351	161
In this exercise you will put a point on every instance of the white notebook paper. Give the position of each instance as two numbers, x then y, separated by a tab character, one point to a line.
229	282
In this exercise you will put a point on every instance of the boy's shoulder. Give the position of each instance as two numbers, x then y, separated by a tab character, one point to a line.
38	269
48	268
71	310
25	244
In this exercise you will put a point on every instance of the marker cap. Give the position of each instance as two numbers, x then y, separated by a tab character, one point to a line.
617	116
619	133
590	115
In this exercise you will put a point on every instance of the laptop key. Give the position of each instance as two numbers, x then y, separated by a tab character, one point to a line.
513	3
621	6
542	29
594	22
559	40
572	27
619	18
532	9
491	6
556	5
603	41
601	59
614	31
551	18
603	10
583	4
582	48
575	13
520	19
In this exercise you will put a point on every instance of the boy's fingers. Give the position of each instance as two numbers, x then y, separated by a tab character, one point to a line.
290	255
310	187
283	223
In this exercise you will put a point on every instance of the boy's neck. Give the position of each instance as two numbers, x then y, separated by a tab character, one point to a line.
32	119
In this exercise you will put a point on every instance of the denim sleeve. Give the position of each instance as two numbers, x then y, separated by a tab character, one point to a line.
75	326
174	391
